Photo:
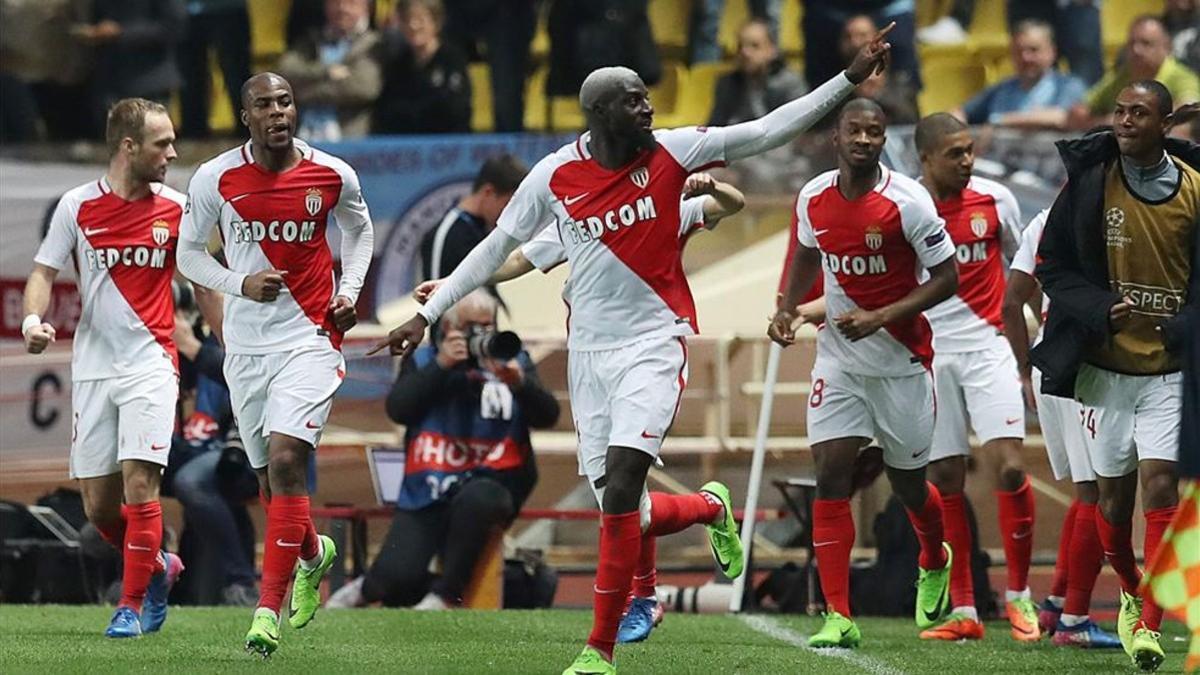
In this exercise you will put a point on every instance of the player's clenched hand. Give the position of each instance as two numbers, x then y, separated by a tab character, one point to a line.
426	289
38	337
403	338
858	323
782	328
872	59
342	310
1120	314
699	184
264	285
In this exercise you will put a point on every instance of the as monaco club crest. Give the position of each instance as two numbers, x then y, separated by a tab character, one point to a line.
640	177
874	237
161	232
979	224
312	201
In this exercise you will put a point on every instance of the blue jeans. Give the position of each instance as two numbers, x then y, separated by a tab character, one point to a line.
221	555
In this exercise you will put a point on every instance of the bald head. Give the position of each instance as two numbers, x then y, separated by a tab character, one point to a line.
604	83
933	128
262	82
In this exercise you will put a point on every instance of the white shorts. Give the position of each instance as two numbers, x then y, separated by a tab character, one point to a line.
896	411
625	397
289	393
1129	418
981	386
1062	428
120	418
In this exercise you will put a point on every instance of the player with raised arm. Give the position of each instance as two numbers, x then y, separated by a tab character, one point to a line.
1064	614
975	375
874	232
119	232
705	202
273	199
614	196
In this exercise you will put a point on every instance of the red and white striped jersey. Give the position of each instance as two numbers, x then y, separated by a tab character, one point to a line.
546	250
124	255
279	220
1025	260
620	230
874	251
984	222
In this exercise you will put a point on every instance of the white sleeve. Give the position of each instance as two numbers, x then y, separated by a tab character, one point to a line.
804	229
202	211
546	250
925	229
1009	213
61	238
471	273
695	148
529	209
358	236
1025	259
691	214
785	122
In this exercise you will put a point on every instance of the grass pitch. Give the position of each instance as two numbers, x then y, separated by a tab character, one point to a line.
56	639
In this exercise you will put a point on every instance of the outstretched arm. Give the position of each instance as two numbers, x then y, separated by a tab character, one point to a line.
790	119
516	265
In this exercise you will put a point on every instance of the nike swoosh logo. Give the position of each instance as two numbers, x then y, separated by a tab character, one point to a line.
919	453
932	616
819	544
722	563
280	542
156	448
310	425
571	200
646	435
94	230
817	233
1012	420
1022	535
131	547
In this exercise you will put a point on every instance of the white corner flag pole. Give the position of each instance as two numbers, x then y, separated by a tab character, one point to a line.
756	469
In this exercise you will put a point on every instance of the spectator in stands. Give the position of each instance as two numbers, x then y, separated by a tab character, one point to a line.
427	89
134	43
705	26
465	225
761	83
1076	29
469	466
589	34
223	26
336	73
896	96
41	89
504	29
1147	57
1182	18
822	26
1038	95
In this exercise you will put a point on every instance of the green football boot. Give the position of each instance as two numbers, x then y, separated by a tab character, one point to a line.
590	662
1147	652
933	592
263	636
1127	620
838	631
723	535
306	587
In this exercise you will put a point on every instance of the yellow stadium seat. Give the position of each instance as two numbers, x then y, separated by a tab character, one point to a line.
736	13
989	25
949	83
565	114
535	100
539	49
482	118
697	93
929	11
1116	15
669	21
268	29
220	110
666	95
791	39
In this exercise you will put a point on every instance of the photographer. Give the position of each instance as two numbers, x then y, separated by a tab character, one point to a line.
469	467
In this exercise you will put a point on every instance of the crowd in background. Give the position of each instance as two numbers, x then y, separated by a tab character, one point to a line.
358	71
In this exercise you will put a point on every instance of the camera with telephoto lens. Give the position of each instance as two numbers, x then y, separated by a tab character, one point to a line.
487	343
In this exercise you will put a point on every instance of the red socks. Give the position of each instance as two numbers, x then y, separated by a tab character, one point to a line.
114	534
928	524
1084	559
143	539
833	537
620	544
673	513
958	533
287	524
1157	521
1016	526
1058	586
645	575
1117	542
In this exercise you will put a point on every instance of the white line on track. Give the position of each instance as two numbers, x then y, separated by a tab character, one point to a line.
771	628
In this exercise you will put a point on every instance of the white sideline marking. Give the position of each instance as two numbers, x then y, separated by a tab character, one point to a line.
771	628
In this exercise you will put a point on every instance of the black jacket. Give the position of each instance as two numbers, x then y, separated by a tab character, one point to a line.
735	94
433	98
1073	267
1188	324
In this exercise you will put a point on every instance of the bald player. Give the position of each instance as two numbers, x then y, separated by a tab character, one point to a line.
613	195
273	199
